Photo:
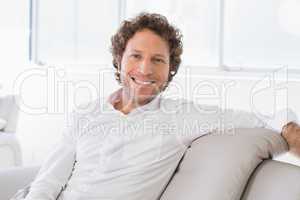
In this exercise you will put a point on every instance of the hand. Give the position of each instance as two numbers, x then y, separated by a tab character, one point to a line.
291	133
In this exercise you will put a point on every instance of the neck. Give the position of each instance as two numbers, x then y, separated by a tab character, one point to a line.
129	102
125	102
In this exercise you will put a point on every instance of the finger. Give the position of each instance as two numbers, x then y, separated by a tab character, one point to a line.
287	126
290	123
291	126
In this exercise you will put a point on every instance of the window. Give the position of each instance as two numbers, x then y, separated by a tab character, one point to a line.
262	33
78	31
74	31
241	33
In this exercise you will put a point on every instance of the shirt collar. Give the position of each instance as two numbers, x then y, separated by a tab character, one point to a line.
154	104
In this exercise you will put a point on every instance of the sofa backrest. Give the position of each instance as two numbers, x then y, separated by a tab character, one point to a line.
218	166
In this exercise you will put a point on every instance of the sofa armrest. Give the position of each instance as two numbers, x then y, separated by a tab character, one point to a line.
274	180
9	110
14	179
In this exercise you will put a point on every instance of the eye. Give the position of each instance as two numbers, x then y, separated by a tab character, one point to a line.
159	60
136	56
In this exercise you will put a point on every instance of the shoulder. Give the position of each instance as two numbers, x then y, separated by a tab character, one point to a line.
185	106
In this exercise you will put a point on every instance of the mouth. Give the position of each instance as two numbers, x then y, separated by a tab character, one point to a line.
142	82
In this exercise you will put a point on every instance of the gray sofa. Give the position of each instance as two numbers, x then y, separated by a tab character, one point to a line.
219	166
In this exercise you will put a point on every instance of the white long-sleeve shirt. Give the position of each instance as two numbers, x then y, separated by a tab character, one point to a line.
130	157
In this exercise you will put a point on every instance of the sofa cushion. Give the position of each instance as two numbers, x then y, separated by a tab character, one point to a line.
218	166
274	180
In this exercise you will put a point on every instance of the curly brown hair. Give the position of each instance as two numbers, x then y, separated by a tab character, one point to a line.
156	23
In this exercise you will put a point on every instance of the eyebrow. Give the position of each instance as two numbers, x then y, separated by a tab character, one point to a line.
157	54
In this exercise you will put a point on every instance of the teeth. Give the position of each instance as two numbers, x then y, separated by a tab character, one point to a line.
142	82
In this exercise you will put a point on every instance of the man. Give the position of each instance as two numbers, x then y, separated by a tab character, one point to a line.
129	146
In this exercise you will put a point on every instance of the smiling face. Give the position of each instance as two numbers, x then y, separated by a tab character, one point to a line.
145	66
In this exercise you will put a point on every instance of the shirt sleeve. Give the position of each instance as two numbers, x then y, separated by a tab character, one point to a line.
197	120
57	168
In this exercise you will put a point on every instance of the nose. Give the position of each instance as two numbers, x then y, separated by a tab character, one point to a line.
146	67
